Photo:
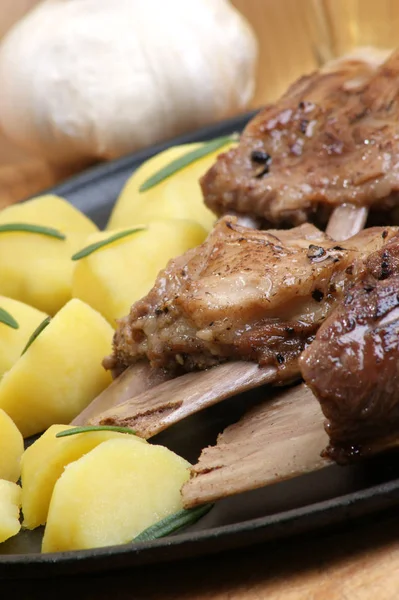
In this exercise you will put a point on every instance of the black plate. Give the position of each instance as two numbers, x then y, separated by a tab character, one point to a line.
326	497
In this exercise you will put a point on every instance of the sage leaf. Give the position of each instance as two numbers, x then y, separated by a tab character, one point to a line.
29	228
36	333
185	160
8	319
101	244
88	428
170	524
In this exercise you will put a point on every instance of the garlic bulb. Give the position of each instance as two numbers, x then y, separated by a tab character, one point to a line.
83	79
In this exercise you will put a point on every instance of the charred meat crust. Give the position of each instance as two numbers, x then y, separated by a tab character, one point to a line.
331	139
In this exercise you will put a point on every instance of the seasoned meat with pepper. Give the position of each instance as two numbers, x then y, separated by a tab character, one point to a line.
353	364
243	294
331	139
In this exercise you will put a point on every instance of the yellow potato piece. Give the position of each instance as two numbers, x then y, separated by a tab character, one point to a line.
177	197
44	462
61	372
11	448
118	274
13	341
112	493
10	502
34	268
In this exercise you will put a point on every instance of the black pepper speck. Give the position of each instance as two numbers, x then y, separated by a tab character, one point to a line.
317	295
260	156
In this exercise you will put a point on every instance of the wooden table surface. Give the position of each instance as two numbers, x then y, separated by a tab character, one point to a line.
361	562
358	562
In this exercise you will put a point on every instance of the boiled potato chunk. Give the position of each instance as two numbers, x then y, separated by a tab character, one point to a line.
11	448
44	462
34	268
120	273
13	341
177	197
10	503
61	371
112	493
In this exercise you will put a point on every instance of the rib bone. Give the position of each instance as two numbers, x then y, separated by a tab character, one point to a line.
277	440
346	221
135	380
160	407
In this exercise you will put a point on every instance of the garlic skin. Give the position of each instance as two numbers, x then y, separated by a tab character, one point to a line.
87	79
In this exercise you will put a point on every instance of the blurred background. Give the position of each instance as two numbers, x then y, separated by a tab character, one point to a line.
294	37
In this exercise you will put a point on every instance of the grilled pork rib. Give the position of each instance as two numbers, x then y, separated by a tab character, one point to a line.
331	139
353	364
243	294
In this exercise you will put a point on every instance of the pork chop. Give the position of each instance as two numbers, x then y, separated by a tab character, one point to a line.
243	294
331	139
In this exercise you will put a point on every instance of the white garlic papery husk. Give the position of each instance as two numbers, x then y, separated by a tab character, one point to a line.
83	79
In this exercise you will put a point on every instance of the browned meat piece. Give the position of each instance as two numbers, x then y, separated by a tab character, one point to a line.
353	364
331	139
247	294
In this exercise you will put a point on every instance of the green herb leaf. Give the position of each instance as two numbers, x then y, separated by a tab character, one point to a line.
8	319
36	333
185	160
98	245
88	428
170	524
49	231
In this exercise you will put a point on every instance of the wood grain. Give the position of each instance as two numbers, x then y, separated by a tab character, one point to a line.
356	563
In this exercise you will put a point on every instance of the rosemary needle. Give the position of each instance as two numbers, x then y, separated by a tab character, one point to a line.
89	428
170	524
8	319
36	333
185	160
102	243
29	228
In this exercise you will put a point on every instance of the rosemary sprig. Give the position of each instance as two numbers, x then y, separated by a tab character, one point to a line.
36	333
99	245
185	160
29	228
88	428
170	524
8	319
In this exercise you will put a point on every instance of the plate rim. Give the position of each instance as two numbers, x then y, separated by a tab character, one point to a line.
224	537
37	564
